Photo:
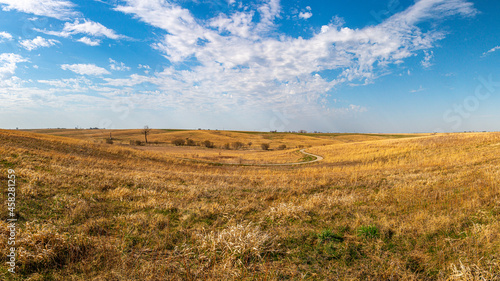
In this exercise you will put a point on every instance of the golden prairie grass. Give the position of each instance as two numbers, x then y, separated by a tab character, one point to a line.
421	208
219	138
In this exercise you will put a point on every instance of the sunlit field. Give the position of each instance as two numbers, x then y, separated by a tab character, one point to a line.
377	207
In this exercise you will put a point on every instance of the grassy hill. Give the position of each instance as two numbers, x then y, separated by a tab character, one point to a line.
378	207
166	136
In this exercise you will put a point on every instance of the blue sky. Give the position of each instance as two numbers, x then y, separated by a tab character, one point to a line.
337	66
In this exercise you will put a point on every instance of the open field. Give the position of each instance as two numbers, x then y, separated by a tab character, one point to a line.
377	207
250	153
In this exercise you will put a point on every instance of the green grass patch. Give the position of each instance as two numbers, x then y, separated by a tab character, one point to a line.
329	235
369	231
7	164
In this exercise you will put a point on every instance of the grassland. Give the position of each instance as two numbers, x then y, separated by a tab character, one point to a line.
377	207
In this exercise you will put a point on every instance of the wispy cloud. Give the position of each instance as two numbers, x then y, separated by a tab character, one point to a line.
420	89
491	51
59	9
240	63
37	42
86	27
85	69
119	66
426	62
90	28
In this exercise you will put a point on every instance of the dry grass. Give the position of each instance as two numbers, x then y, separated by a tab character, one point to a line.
376	208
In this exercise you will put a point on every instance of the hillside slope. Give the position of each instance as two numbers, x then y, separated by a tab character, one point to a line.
424	208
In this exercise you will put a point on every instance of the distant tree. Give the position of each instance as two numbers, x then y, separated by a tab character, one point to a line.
265	146
146	132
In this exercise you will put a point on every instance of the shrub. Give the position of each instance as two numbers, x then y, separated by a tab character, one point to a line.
178	142
226	146
265	146
136	142
190	142
208	144
282	147
237	145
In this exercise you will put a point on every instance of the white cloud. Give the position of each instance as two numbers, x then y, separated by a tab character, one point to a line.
491	50
268	12
90	28
90	42
85	69
240	64
305	15
37	42
80	84
357	108
426	62
114	65
420	89
134	79
86	27
145	67
59	9
8	64
5	36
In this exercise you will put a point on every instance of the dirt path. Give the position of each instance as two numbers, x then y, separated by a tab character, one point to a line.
317	158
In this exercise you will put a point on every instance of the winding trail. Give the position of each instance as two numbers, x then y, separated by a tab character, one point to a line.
317	158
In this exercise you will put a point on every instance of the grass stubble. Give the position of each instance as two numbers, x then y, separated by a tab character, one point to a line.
416	208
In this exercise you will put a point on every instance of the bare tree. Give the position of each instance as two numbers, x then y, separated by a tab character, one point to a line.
146	132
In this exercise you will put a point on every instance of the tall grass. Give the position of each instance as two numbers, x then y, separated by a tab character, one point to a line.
424	208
